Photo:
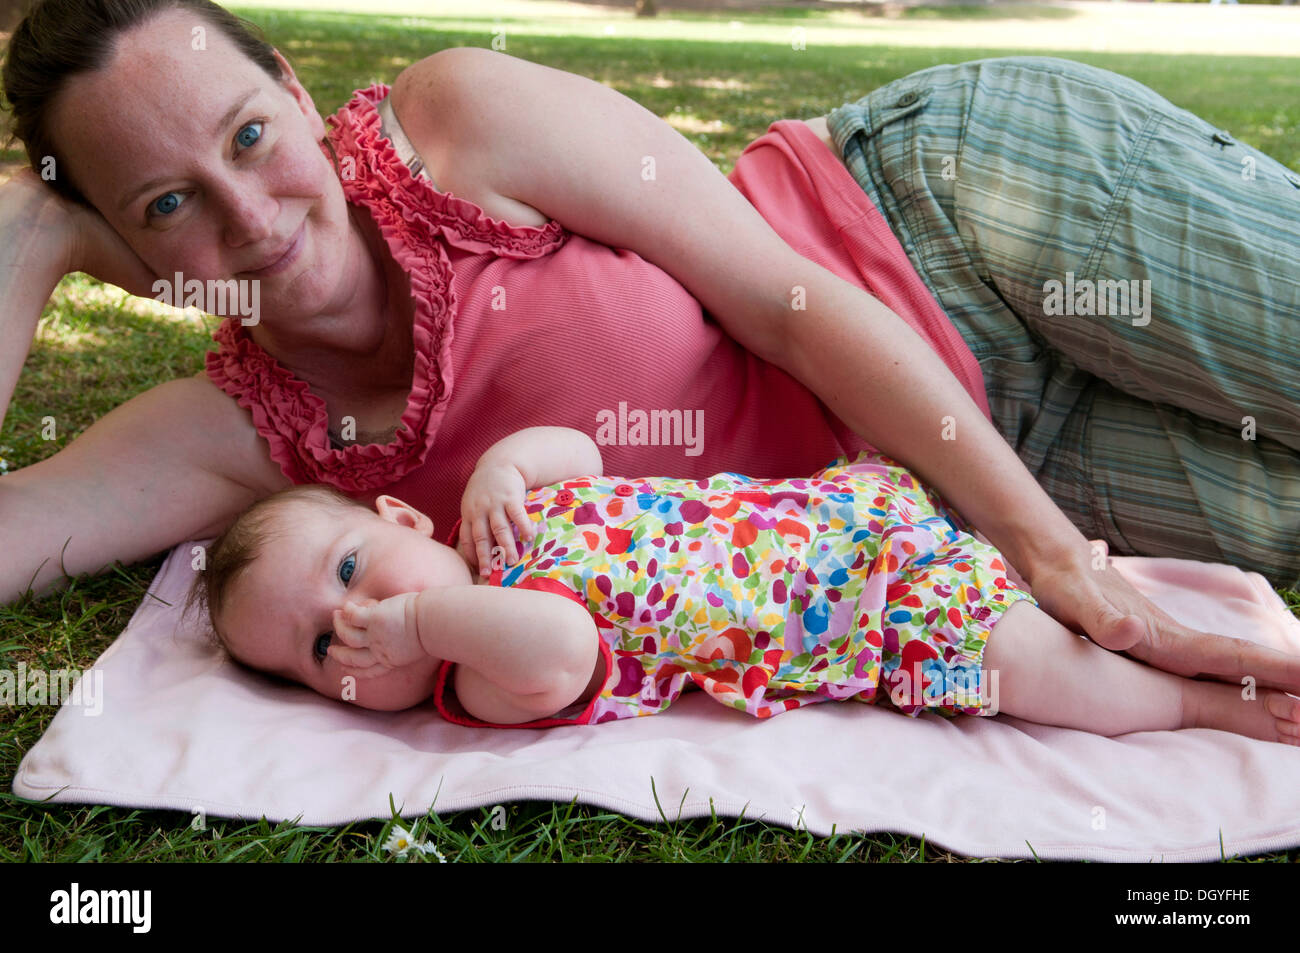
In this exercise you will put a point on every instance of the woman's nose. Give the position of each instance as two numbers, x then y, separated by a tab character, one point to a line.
250	217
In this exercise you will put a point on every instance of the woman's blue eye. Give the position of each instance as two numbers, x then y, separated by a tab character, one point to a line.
347	568
167	204
322	644
250	135
246	135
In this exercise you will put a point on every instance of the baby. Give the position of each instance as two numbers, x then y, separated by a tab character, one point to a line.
615	596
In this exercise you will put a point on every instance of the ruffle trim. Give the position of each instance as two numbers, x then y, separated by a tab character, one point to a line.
410	214
385	180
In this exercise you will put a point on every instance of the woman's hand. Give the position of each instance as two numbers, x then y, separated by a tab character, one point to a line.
493	499
378	636
34	216
102	253
43	237
1102	604
74	236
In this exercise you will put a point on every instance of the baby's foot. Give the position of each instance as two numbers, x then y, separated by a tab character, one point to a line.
1270	716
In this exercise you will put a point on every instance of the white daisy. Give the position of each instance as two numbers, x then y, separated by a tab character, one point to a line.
401	842
430	849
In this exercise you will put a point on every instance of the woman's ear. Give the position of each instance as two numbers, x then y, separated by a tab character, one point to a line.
301	96
403	514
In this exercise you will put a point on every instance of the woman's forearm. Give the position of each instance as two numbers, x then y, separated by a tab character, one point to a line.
42	238
870	368
31	267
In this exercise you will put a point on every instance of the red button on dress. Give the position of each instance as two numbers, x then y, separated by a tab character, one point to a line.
564	497
624	489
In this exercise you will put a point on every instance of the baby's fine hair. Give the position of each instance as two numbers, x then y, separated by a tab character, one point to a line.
234	551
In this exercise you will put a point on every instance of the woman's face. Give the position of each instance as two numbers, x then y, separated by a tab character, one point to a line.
208	166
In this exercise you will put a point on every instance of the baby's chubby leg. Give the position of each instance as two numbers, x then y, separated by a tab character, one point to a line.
1048	674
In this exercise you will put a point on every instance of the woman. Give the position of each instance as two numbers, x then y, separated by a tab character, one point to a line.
452	199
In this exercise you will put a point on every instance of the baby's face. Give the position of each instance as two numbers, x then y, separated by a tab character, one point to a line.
279	617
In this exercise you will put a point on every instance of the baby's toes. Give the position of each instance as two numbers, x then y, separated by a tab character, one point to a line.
1286	732
1286	716
1288	729
1284	707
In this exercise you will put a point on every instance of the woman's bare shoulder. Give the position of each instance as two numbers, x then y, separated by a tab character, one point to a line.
608	169
422	97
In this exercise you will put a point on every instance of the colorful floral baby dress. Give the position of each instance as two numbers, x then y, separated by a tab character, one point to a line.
767	594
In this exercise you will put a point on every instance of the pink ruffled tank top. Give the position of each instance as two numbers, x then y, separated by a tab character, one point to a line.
593	337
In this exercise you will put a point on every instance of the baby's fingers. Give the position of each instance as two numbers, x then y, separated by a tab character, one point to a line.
527	529
481	538
349	626
505	535
360	659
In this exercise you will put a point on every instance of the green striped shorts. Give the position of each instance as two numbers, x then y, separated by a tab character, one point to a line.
1126	276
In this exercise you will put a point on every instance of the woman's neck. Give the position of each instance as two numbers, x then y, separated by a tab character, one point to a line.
358	345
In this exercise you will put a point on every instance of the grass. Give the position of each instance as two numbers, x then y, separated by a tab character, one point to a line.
721	86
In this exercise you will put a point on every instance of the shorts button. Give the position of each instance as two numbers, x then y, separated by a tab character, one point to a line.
624	489
564	497
1222	138
907	99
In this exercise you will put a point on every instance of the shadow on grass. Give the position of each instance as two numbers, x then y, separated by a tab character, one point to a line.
999	11
90	355
335	53
867	9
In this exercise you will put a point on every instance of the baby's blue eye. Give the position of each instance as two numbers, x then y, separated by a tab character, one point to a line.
247	137
347	568
167	204
322	644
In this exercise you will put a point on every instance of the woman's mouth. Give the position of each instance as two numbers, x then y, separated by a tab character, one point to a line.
286	258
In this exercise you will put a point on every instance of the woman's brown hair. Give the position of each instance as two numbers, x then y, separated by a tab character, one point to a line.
60	39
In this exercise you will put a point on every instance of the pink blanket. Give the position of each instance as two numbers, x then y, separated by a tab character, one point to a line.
181	728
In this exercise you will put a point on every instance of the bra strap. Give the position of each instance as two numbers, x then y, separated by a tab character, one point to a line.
392	129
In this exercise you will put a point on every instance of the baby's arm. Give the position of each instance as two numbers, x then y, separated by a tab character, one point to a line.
521	654
525	656
545	455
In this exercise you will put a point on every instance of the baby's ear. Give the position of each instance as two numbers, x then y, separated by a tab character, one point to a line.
403	514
